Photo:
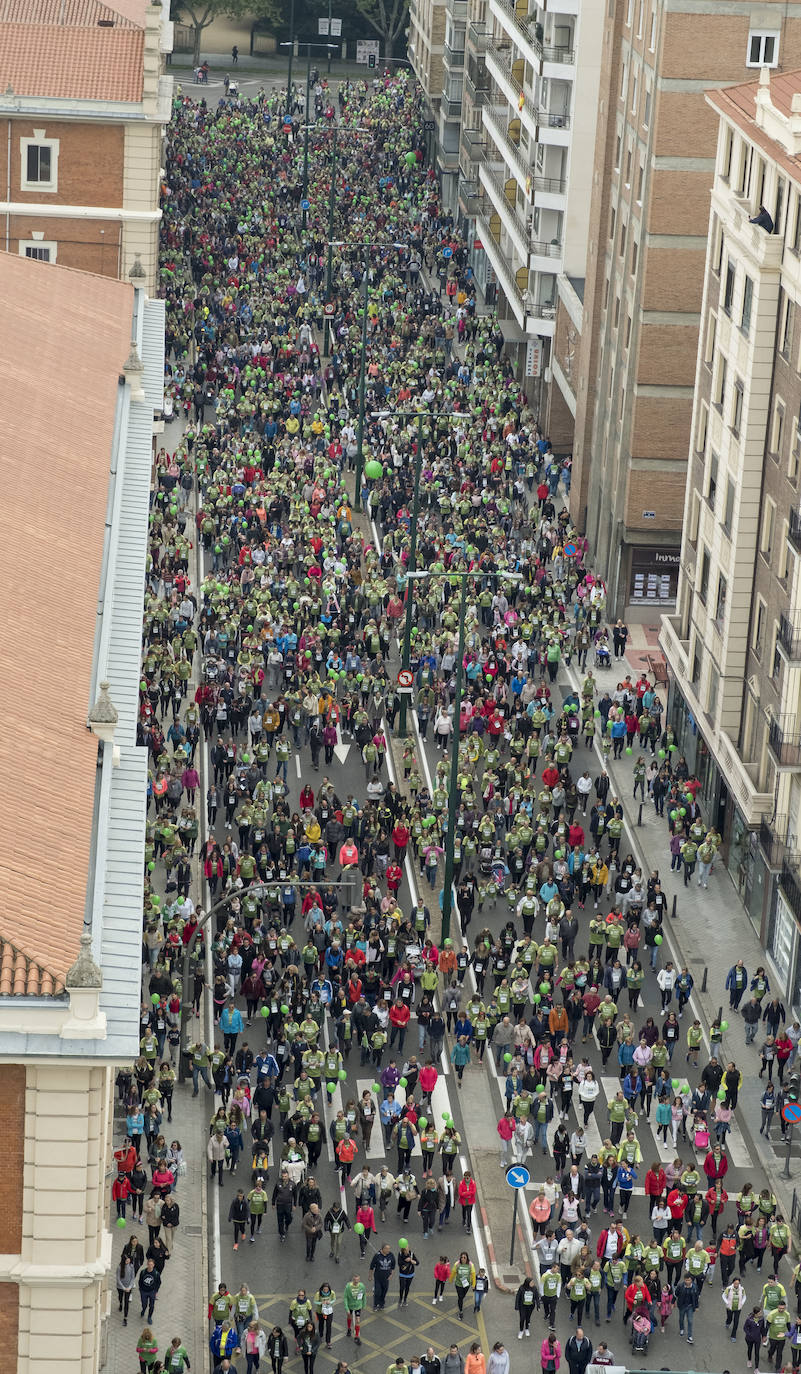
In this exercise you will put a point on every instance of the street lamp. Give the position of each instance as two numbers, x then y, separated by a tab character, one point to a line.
420	416
447	893
308	47
368	248
355	129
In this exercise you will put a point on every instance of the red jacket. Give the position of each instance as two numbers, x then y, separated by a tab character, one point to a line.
600	1248
428	1078
636	1292
506	1128
467	1192
654	1183
716	1168
399	1014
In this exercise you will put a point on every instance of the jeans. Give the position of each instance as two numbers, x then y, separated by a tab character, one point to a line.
686	1314
148	1303
541	1134
200	1071
750	1032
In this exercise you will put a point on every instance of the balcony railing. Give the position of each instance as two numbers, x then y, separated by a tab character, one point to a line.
790	637
450	105
773	846
794	529
454	57
510	149
546	248
555	186
784	741
478	94
790	883
528	30
479	36
549	119
511	289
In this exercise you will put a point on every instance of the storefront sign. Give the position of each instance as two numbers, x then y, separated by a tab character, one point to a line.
654	576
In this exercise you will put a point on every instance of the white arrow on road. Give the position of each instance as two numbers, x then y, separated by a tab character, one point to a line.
341	750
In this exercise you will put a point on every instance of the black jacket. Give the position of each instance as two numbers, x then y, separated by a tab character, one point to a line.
578	1354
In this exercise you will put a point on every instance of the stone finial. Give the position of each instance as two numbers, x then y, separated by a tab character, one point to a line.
133	363
137	272
104	712
84	972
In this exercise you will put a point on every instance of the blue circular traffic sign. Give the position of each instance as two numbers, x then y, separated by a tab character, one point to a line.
305	205
792	1113
517	1176
447	252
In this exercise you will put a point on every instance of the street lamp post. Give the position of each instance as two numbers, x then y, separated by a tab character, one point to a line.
306	126
329	276
291	50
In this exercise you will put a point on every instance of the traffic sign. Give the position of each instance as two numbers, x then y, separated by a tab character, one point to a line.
792	1113
570	550
429	126
305	205
517	1176
405	680
447	252
328	308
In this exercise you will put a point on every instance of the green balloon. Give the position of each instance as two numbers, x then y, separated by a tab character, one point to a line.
673	748
358	1227
330	1087
404	1082
403	1243
376	1087
597	714
343	1073
721	1094
120	1221
545	988
724	1025
422	1122
629	749
507	1058
662	754
373	470
151	865
155	999
674	815
657	939
674	1083
265	1012
284	1009
536	999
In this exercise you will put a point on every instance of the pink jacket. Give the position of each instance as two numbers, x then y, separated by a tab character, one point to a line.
550	1352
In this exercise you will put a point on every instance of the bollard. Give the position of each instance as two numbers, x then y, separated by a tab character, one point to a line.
639	817
673	908
703	980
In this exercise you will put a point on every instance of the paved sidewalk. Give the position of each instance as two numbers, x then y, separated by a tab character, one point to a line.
183	1295
710	932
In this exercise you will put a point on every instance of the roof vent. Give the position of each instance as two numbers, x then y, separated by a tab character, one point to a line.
105	23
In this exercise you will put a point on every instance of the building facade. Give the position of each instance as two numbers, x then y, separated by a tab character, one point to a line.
71	920
84	102
734	643
622	386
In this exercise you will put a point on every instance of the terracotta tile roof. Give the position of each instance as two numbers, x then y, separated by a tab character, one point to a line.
81	63
69	14
21	976
64	337
738	104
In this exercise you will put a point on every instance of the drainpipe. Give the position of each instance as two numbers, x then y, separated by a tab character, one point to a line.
8	186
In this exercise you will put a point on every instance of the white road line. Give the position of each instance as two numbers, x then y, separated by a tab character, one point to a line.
297	764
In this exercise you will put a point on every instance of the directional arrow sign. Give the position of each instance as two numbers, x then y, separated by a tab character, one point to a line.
517	1176
341	750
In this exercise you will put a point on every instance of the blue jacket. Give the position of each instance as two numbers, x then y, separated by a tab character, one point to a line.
231	1021
731	982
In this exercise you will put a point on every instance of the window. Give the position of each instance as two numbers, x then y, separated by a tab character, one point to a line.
40	251
618	147
628	330
720	383
737	406
652	39
697	660
766	532
717	245
634	92
628	167
745	166
606	293
635	248
640	180
728	289
612	225
39	162
712	480
703	581
622	248
758	635
728	145
785	325
646	114
776	666
728	513
748	300
783	554
640	18
617	311
712	694
720	600
703	421
795	453
629	13
777	429
763	48
624	76
796	239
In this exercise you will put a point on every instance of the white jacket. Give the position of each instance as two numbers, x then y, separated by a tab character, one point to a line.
665	978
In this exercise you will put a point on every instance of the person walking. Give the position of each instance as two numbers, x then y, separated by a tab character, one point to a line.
527	1300
463	1278
126	1277
149	1285
550	1354
687	1304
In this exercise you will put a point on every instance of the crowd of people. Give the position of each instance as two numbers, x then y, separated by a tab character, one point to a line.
287	649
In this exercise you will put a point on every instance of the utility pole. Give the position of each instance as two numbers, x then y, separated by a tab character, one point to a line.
357	497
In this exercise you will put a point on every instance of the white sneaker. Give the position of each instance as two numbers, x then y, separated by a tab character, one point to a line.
433	1302
520	1335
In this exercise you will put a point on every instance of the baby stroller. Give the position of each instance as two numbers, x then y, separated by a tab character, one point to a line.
602	655
641	1327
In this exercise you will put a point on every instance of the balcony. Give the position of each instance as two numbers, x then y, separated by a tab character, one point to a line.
453	57
493	116
794	529
450	104
790	637
549	119
773	846
784	741
790	883
531	33
492	179
478	37
549	186
479	95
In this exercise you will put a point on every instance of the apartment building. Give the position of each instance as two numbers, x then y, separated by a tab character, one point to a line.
70	926
85	102
624	361
515	143
734	643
